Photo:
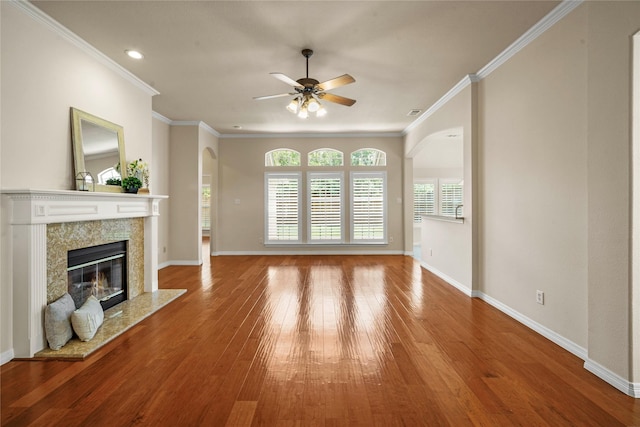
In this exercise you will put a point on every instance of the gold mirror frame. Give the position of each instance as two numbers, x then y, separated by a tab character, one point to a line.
77	118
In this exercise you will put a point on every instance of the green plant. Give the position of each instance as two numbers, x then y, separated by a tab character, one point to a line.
114	181
131	182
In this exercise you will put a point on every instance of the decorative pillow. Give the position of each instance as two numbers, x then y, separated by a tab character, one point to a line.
57	321
87	319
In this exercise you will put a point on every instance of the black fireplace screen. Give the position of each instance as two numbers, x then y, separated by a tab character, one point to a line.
99	271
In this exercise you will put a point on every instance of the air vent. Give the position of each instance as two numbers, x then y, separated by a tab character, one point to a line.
414	112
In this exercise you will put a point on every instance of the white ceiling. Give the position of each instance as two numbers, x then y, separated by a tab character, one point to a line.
208	59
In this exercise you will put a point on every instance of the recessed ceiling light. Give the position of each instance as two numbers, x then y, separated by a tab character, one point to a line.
414	112
237	127
134	54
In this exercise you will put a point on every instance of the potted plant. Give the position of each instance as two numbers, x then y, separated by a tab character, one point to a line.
131	184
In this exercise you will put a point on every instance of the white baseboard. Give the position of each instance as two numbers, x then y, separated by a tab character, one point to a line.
6	356
629	388
558	339
314	252
462	288
179	262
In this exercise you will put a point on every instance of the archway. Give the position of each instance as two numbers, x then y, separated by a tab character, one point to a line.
208	200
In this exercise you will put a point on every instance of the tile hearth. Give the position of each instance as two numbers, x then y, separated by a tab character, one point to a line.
117	320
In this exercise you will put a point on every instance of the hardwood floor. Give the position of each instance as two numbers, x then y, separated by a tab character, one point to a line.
317	341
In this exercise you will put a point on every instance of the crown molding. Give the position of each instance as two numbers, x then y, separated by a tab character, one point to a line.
198	123
559	12
160	117
533	33
311	135
39	16
466	81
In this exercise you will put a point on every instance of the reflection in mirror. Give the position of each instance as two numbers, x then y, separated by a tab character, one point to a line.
98	148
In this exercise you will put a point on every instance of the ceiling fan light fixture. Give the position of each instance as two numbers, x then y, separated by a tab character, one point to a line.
321	112
303	113
293	105
313	105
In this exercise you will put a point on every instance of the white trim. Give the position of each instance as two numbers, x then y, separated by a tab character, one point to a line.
314	252
533	33
183	262
556	338
339	175
6	356
450	281
634	300
160	117
198	123
466	81
615	380
313	135
39	16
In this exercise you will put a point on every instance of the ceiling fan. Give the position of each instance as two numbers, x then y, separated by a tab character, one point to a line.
309	92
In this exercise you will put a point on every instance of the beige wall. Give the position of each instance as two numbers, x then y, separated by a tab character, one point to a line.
447	248
183	192
533	180
241	197
187	146
611	26
159	183
43	75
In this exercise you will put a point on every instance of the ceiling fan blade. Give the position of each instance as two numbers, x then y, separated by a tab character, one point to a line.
337	99
258	98
287	80
345	79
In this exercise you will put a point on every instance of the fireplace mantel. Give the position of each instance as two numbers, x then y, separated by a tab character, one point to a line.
26	213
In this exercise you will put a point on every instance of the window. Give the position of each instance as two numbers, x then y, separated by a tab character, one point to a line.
424	200
106	174
205	206
283	207
368	207
325	207
325	157
450	197
368	157
282	157
337	208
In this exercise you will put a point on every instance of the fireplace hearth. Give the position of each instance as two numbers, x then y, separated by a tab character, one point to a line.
100	271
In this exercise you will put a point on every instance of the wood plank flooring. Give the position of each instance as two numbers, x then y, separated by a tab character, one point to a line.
316	341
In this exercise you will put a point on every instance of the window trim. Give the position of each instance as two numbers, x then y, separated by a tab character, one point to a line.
433	182
340	176
354	175
282	175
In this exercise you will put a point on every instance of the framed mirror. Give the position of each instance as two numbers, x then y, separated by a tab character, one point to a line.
98	148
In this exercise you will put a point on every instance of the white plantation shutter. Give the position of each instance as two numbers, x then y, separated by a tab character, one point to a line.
283	207
424	200
325	207
368	207
450	197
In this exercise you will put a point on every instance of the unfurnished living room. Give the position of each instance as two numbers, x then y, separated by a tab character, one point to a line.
319	213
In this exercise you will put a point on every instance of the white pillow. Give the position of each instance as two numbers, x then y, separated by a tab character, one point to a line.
87	319
57	321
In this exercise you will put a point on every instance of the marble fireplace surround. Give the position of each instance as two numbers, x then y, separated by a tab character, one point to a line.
40	220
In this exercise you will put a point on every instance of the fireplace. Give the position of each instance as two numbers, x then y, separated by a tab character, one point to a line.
100	271
43	225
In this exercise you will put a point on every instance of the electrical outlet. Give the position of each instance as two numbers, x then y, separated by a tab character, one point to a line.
540	297
390	239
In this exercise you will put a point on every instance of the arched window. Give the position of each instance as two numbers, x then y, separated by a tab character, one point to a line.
282	157
326	157
368	157
107	174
